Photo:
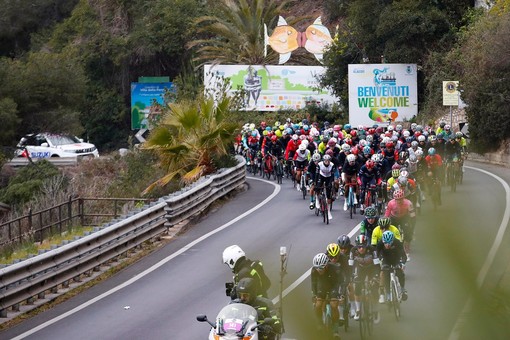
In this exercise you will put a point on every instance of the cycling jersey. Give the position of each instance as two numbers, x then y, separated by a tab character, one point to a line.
325	171
396	209
377	234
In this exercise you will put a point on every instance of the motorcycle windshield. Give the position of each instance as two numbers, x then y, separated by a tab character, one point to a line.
232	318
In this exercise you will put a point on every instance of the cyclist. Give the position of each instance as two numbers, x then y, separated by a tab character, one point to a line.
401	212
346	246
301	158
368	175
383	224
434	168
368	225
291	149
312	173
364	260
391	253
324	176
349	176
235	258
264	307
325	278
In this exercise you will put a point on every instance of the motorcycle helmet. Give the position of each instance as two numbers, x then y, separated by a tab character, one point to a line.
232	254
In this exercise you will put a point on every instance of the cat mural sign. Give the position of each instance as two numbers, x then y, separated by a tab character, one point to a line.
285	39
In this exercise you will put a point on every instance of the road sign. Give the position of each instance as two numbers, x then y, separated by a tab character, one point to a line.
450	93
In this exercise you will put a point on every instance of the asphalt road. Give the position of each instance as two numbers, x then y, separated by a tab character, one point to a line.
160	296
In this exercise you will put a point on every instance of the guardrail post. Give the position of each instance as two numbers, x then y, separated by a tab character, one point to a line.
69	212
3	313
15	307
80	208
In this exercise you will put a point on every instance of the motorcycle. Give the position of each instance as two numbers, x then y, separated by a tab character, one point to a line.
234	321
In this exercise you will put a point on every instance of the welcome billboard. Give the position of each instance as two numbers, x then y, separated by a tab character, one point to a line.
271	88
382	93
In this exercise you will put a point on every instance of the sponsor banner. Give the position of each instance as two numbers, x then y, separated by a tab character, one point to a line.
382	93
271	88
147	100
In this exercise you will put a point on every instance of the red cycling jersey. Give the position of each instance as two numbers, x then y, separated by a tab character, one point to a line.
400	209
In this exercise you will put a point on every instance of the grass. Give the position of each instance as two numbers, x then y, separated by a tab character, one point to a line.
22	251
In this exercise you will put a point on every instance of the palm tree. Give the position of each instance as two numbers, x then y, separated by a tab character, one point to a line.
190	136
235	33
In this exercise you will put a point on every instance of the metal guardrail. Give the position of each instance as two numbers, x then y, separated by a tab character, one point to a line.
32	278
57	161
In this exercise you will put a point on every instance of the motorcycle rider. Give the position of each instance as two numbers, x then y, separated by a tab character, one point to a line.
247	291
235	258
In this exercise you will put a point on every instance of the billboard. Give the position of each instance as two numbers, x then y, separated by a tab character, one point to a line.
382	93
147	100
271	88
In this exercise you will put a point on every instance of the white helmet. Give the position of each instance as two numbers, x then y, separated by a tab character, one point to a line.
295	137
351	158
320	260
302	147
406	133
305	143
390	128
421	138
316	157
231	255
346	147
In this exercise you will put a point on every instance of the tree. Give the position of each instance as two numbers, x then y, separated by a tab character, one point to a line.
234	34
484	77
190	136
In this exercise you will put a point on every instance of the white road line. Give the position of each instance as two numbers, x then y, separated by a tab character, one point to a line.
307	273
154	267
454	335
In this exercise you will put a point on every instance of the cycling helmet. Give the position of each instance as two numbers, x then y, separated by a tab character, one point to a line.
390	128
384	222
295	137
432	151
396	166
367	150
298	132
281	127
247	285
412	158
289	131
305	121
389	144
279	133
399	127
418	153
376	157
254	133
329	152
362	143
332	142
346	147
433	138
421	138
306	127
447	127
351	158
409	139
320	260
333	249
316	157
370	212
305	142
404	172
414	144
232	254
402	180
361	241
369	139
326	158
388	237
353	133
347	126
344	241
302	147
442	124
398	194
419	128
326	123
395	173
274	138
458	134
370	164
413	126
406	133
403	155
337	128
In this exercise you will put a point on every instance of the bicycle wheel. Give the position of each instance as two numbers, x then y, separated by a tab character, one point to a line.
303	185
395	301
350	203
370	315
363	318
346	312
